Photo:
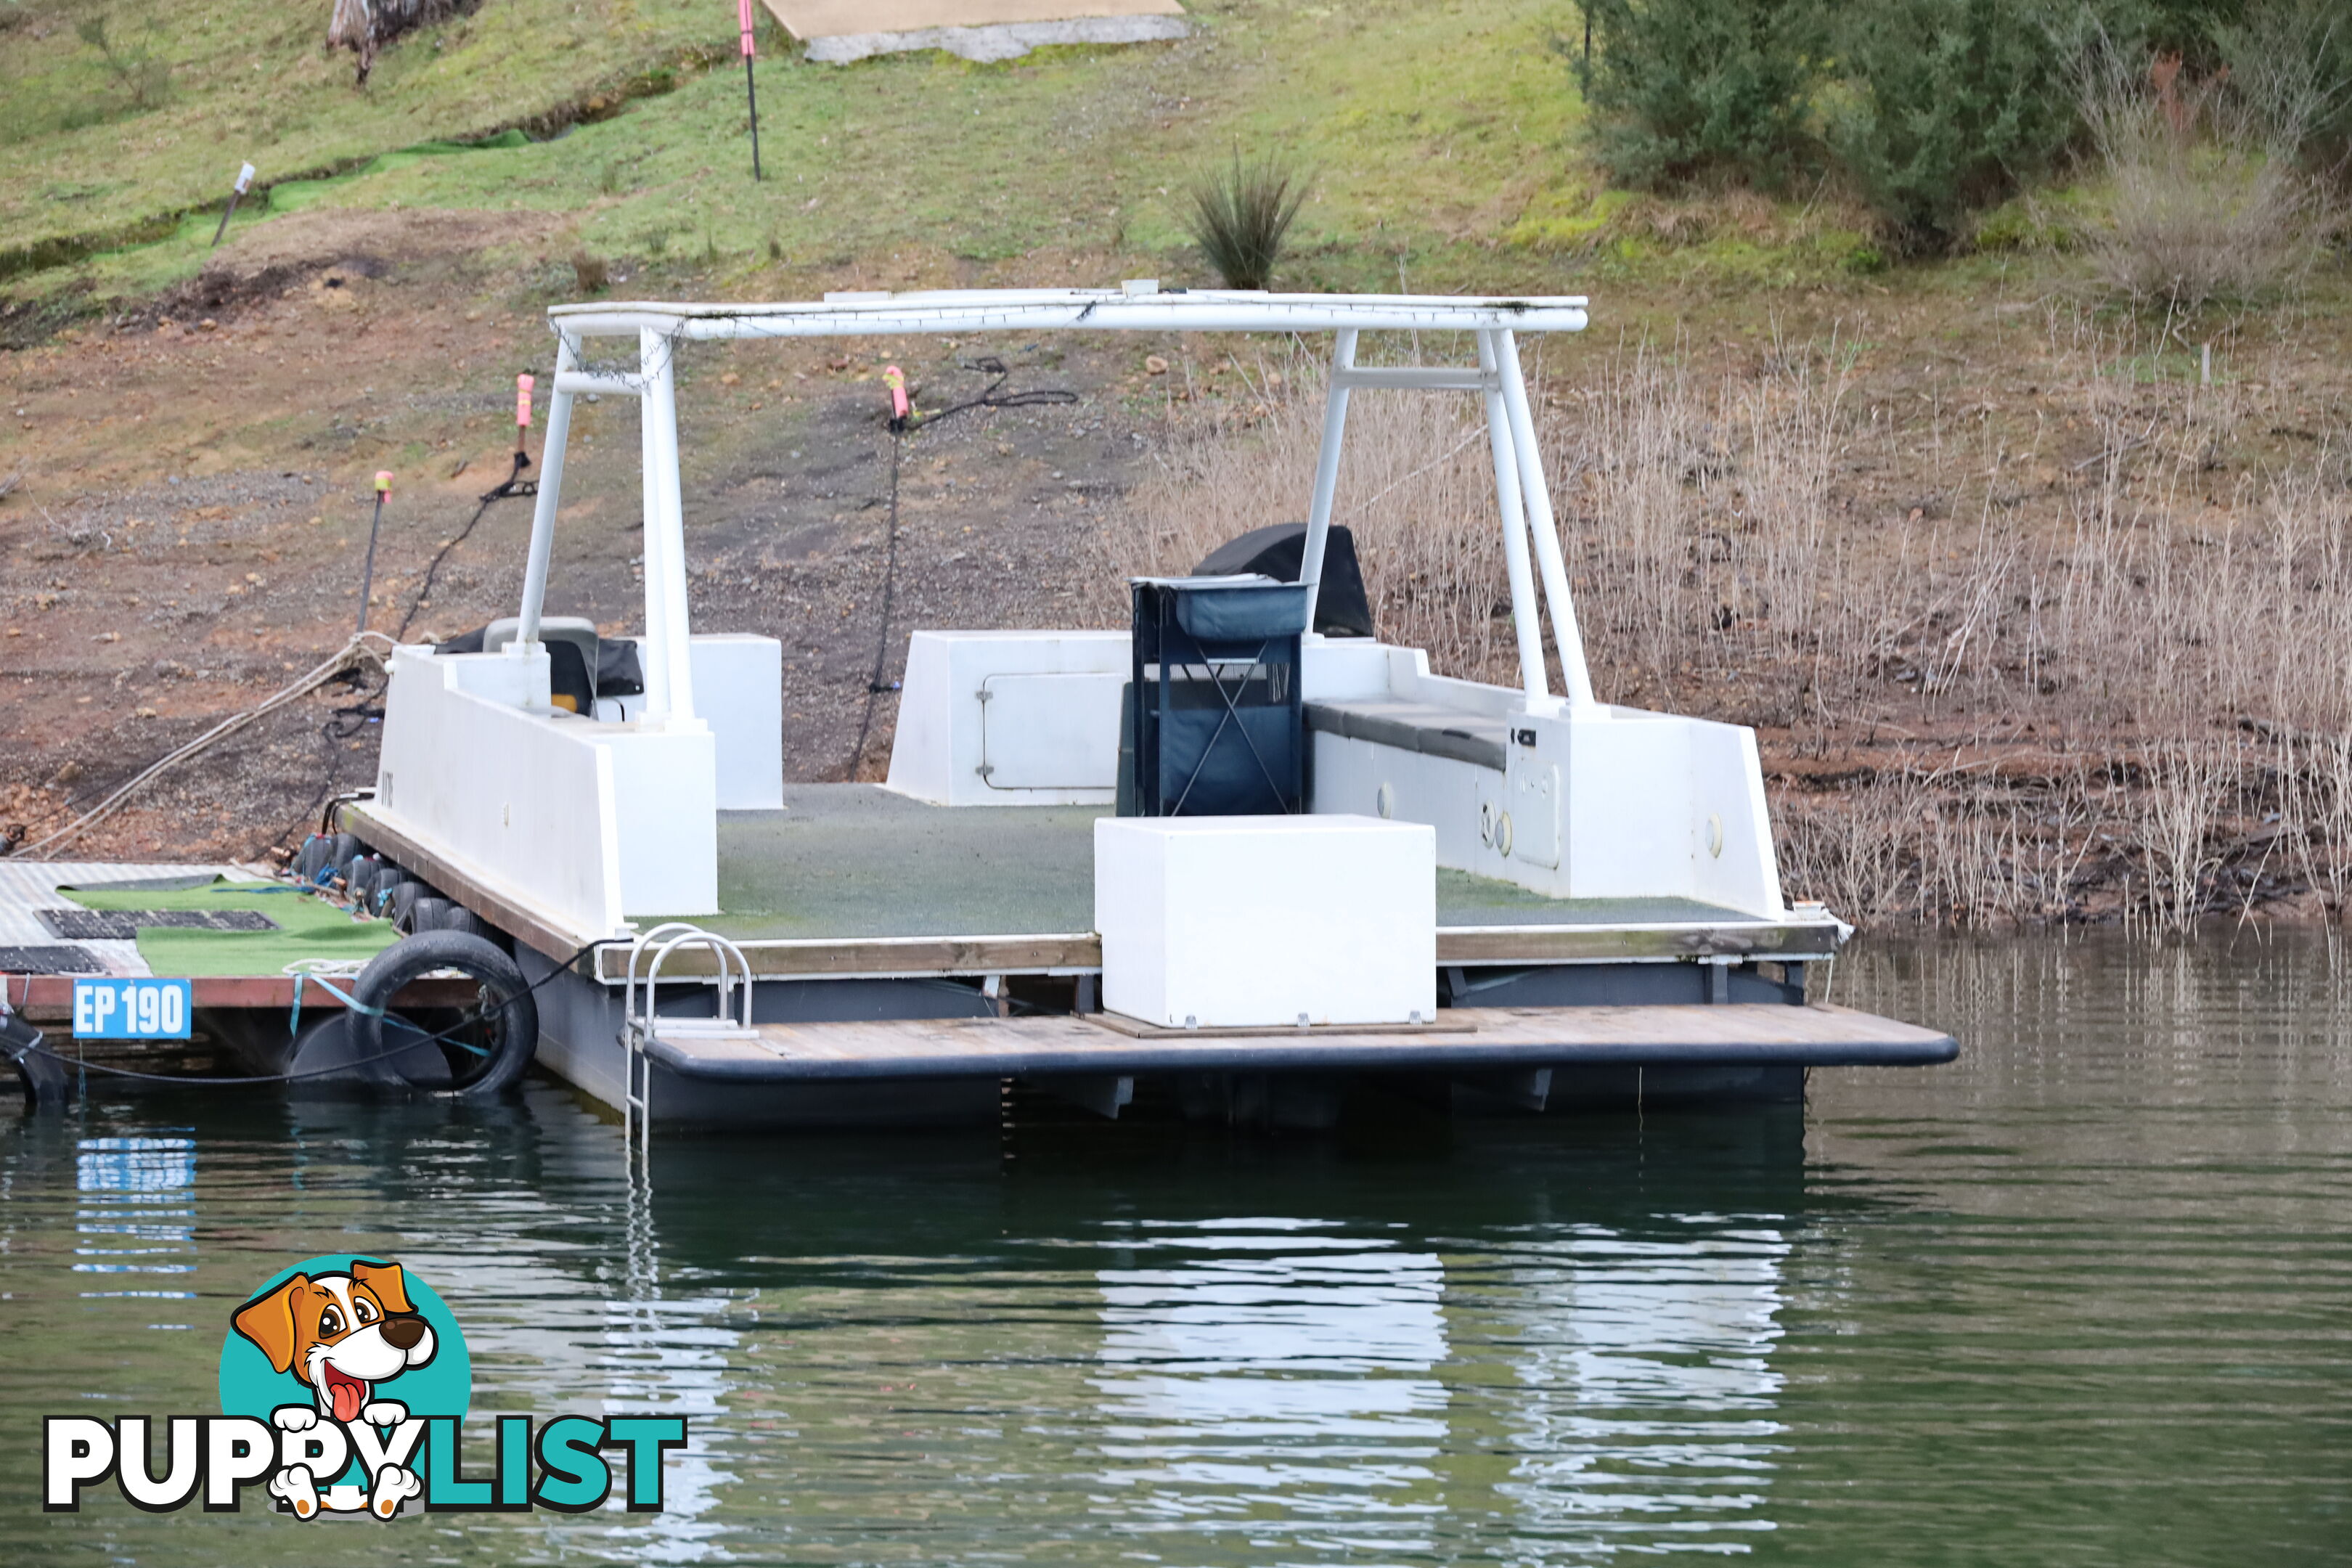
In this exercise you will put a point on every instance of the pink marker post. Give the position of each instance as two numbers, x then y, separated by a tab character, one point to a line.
751	86
901	405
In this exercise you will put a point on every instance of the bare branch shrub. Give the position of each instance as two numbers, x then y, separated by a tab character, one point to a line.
2206	198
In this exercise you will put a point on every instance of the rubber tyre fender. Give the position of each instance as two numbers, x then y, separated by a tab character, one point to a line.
312	859
512	1004
46	1086
403	902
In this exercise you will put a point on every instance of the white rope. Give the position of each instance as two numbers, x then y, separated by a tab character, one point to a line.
358	650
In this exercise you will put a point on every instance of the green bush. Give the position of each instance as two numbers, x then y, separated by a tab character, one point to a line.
1952	105
2291	64
1683	88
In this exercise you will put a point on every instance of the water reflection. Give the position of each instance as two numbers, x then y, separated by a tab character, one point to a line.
1289	1385
2079	1296
1281	1384
1646	1405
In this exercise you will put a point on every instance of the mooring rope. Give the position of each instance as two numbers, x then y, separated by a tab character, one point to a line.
360	652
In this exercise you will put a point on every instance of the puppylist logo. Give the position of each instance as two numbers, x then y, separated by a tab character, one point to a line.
344	1384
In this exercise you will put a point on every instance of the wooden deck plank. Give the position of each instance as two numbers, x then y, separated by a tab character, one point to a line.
1603	944
1066	952
1746	1033
48	999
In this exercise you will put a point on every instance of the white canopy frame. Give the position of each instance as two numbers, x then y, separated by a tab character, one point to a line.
1523	494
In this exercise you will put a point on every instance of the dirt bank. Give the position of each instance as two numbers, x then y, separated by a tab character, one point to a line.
191	510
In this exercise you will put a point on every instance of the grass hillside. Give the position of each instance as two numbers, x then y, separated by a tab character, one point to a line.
1436	132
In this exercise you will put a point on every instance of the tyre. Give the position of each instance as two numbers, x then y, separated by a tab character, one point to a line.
473	1052
427	913
403	901
312	859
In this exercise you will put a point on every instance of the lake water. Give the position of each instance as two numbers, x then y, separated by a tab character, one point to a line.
2085	1297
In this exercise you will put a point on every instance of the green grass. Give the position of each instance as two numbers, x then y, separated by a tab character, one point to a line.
1430	129
250	81
1442	139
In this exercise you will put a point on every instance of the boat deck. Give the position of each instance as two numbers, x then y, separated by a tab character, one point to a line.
855	879
1481	1038
857	860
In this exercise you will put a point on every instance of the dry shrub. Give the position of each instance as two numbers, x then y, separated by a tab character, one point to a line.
2128	701
2206	198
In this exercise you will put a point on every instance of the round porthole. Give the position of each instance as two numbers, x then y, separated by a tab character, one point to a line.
1384	800
1503	832
1715	835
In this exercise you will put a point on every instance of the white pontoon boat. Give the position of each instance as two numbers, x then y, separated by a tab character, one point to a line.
1501	896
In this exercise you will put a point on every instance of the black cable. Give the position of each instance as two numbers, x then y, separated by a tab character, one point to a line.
899	431
425	590
467	1022
873	686
513	485
992	365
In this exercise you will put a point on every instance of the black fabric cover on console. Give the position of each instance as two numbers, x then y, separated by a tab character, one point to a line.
1341	608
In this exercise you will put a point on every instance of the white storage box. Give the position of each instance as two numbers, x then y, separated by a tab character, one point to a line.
1253	921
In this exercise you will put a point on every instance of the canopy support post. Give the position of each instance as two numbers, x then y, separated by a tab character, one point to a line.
1575	675
666	530
1326	468
1527	620
551	492
654	650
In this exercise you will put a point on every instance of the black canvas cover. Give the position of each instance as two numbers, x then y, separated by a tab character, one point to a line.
1341	608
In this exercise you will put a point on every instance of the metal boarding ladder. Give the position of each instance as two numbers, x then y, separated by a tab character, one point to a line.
637	1027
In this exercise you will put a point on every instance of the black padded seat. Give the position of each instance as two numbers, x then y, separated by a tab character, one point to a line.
1423	727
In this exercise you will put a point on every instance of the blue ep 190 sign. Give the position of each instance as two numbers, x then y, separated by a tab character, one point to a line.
131	1009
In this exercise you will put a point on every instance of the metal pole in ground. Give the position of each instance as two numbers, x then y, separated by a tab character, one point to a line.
751	86
367	574
244	179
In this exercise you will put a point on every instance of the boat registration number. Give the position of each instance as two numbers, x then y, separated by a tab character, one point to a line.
133	1009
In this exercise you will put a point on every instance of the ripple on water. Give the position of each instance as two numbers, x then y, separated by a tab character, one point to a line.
2079	1297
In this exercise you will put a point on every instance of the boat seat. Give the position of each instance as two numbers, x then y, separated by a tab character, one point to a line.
1476	738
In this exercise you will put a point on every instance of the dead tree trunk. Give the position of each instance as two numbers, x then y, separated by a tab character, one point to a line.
363	27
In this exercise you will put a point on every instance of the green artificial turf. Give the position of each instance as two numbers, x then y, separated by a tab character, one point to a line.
310	927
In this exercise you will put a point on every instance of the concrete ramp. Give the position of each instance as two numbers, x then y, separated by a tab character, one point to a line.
840	31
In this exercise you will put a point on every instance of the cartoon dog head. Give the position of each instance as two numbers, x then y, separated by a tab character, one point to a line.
342	1334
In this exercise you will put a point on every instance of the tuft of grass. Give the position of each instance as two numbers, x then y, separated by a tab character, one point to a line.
1241	215
590	272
